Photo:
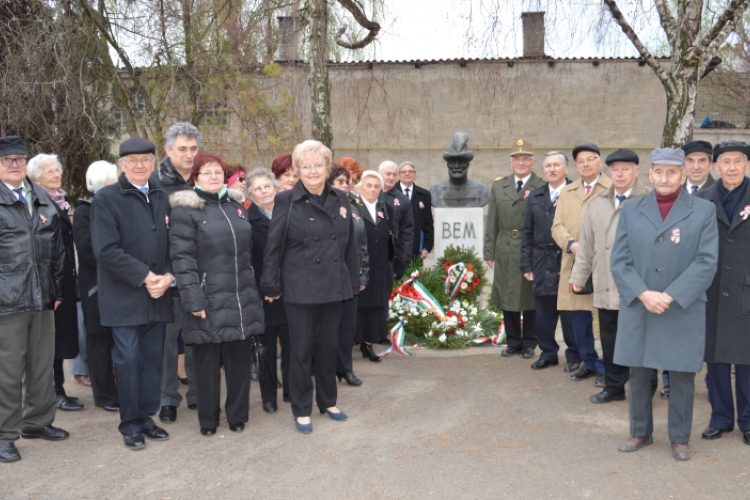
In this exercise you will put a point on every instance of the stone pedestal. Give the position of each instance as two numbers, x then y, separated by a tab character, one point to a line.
459	227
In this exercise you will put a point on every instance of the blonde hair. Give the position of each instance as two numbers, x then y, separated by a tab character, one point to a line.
311	147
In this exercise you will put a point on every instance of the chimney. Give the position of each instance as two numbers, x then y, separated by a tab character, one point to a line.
290	39
533	34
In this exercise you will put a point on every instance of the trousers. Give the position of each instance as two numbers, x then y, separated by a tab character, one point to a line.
77	365
269	377
719	382
680	416
99	354
347	331
584	332
546	316
170	383
513	332
615	375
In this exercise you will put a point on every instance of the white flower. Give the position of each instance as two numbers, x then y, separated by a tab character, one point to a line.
473	311
442	338
464	286
469	275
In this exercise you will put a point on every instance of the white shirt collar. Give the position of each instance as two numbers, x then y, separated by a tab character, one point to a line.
627	195
404	187
137	186
370	208
554	193
523	181
689	184
593	183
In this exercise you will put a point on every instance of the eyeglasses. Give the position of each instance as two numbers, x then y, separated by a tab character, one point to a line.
143	161
209	174
317	167
516	159
260	189
8	162
590	159
52	171
408	172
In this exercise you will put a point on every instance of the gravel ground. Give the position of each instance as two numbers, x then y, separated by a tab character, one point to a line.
426	426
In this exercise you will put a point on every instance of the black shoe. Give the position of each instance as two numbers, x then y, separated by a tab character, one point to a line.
511	351
712	432
168	413
582	374
600	381
67	404
350	378
287	398
49	433
135	441
572	366
664	393
528	352
208	431
193	406
156	433
111	408
606	397
9	453
183	381
368	353
541	364
237	427
278	384
746	437
269	406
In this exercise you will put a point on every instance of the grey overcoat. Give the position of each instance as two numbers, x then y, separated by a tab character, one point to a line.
649	256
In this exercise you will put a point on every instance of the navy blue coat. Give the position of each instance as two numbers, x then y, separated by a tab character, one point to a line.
129	237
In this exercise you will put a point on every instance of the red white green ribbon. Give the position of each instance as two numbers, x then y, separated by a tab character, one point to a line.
745	212
461	269
675	237
497	339
396	337
414	291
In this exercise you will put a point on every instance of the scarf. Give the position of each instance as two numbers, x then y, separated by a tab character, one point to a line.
730	200
58	196
220	194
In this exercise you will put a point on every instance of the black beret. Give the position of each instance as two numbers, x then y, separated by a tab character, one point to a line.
137	146
697	147
726	146
586	146
622	155
12	145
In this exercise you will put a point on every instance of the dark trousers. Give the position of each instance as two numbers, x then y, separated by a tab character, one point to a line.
680	417
99	358
347	330
136	357
313	332
516	338
584	332
207	361
546	324
719	382
268	377
615	375
58	376
170	384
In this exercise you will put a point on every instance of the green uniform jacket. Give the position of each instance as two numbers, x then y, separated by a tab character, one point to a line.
502	243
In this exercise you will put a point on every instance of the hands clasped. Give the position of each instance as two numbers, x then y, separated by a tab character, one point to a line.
157	284
655	302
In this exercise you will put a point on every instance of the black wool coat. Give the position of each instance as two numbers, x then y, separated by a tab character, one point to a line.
87	286
211	242
359	230
275	311
539	252
424	227
380	285
129	237
320	263
403	223
728	308
66	316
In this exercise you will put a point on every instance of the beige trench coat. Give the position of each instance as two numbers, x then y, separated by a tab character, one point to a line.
566	227
598	231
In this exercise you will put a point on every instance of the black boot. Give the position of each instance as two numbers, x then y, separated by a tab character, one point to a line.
350	378
368	353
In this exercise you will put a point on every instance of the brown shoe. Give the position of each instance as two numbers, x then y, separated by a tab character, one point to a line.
634	444
83	379
681	451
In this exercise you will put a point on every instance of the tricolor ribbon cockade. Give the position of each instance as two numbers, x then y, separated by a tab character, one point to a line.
463	271
745	212
675	237
396	337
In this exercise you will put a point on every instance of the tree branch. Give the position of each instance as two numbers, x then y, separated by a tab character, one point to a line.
361	18
667	21
735	9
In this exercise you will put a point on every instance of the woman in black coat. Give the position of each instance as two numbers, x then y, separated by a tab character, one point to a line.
262	187
372	311
210	242
99	341
46	171
311	263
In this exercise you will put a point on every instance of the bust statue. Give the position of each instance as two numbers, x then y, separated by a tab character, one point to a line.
459	190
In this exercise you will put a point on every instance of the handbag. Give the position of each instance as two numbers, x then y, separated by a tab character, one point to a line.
588	288
256	358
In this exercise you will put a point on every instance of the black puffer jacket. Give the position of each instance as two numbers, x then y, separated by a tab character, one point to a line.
32	254
210	245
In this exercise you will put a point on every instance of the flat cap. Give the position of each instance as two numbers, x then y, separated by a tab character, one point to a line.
521	147
727	146
622	155
12	145
137	146
586	146
668	156
697	147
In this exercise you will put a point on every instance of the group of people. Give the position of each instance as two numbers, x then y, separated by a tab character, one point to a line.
664	268
198	253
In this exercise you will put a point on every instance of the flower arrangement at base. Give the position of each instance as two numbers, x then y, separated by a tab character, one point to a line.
463	273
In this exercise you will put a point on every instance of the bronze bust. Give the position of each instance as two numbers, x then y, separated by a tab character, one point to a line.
459	190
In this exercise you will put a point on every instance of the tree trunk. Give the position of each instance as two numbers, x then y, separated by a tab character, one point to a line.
320	88
678	126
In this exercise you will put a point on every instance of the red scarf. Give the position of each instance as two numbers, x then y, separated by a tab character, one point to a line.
666	202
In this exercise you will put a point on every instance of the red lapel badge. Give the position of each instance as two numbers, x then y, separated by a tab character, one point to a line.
675	237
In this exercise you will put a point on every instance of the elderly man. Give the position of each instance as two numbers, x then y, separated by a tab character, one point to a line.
566	231
32	289
129	223
421	208
663	261
404	217
540	264
181	145
598	229
728	310
511	292
698	155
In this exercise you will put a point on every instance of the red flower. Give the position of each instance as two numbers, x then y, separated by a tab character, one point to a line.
460	318
475	282
449	314
448	264
470	267
452	331
468	289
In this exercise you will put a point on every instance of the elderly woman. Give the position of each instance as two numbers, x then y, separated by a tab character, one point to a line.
340	178
311	263
372	309
99	341
285	174
262	187
46	170
210	242
236	180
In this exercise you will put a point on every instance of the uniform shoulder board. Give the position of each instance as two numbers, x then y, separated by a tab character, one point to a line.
500	178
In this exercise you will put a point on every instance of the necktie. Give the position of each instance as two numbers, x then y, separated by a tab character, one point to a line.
693	189
407	192
587	187
620	198
519	185
21	197
144	190
555	196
